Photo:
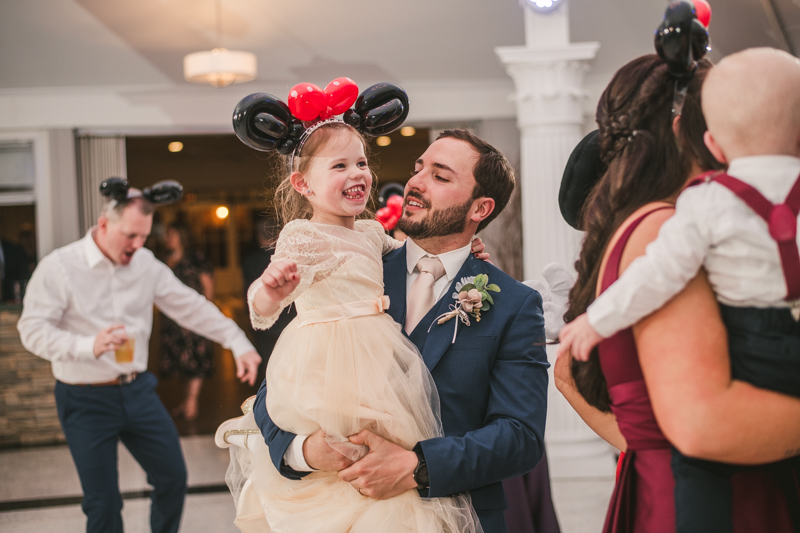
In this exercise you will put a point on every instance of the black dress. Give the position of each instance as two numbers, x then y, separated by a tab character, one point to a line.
183	352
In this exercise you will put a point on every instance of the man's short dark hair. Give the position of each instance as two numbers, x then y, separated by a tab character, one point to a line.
494	175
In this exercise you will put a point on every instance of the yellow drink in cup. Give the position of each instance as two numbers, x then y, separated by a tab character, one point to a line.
124	354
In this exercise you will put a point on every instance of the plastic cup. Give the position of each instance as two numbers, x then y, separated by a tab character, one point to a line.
124	354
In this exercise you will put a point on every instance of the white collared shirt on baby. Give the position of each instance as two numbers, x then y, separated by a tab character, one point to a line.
714	229
76	291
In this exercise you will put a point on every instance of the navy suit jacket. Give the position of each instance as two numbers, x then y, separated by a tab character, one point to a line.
492	385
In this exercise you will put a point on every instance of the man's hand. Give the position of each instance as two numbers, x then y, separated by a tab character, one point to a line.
385	472
110	338
578	336
247	367
320	456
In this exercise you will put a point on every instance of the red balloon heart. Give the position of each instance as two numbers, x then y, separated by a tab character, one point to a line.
340	94
307	101
703	12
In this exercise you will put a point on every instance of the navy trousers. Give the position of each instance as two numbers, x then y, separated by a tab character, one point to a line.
94	419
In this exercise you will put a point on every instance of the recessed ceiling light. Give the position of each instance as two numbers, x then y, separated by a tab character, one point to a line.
383	141
175	146
222	212
408	131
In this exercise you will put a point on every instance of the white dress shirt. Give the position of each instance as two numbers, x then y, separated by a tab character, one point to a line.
76	291
714	229
452	262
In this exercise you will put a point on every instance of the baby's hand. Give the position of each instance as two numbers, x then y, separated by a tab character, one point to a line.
280	279
580	337
477	249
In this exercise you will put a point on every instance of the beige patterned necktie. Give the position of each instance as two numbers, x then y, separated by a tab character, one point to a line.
421	297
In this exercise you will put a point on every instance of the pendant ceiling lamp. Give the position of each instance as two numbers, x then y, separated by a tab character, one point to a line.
220	67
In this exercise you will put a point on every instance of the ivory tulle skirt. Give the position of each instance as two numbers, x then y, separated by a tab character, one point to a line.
341	376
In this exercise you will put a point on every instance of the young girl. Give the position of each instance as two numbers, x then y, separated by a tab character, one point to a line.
342	365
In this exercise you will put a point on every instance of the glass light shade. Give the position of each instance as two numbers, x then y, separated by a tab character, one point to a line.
220	67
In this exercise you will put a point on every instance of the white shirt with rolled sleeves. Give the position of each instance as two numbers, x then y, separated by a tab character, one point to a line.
452	262
714	229
76	291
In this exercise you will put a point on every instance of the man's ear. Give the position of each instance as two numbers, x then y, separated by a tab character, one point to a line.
714	148
483	207
299	183
102	223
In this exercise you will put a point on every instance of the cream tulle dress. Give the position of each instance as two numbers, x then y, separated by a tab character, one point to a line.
342	365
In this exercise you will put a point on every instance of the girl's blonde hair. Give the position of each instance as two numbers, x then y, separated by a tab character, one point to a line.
290	204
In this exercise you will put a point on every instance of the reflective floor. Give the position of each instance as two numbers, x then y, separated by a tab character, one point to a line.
39	491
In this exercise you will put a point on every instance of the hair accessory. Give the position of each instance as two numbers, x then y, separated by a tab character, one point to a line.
581	174
118	190
681	40
265	123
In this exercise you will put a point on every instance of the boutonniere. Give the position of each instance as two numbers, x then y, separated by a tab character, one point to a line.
472	297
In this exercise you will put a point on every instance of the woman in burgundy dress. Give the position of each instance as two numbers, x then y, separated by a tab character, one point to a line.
671	371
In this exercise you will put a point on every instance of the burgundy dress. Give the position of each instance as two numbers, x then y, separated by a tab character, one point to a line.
644	494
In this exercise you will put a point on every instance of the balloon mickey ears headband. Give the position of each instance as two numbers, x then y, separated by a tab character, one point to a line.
681	40
265	123
161	193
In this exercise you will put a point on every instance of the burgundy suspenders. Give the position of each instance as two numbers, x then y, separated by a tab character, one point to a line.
780	218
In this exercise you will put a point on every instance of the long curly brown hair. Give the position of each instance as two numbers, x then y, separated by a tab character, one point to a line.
644	162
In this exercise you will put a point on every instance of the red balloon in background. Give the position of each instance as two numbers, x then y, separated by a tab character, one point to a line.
340	95
307	101
389	216
703	11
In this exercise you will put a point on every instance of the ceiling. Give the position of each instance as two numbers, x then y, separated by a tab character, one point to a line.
81	43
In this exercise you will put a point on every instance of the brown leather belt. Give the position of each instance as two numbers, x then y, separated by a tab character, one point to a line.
122	379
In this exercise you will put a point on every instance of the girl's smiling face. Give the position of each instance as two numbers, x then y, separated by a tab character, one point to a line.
338	178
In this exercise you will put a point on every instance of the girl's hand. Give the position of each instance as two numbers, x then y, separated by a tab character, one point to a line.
280	279
477	250
579	337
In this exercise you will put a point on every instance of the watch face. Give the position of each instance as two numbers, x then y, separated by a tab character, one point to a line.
542	6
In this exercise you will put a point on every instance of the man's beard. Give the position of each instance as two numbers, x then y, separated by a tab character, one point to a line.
438	223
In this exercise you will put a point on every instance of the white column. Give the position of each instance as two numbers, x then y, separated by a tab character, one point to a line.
548	74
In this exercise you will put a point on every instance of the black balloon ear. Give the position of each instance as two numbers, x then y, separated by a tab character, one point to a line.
583	171
115	189
699	40
164	192
389	190
379	110
261	121
674	39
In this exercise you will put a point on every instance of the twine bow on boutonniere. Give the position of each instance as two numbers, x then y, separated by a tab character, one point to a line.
472	297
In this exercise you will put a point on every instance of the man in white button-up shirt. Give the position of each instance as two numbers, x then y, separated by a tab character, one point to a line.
86	300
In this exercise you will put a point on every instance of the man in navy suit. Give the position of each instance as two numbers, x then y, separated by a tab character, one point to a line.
492	379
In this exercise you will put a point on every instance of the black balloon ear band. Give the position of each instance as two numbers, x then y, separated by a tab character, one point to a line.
681	40
118	190
265	123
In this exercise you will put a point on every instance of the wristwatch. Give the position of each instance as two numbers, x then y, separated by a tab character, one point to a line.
420	474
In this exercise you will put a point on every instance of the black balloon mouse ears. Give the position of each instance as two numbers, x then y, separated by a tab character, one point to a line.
265	123
681	39
161	193
583	171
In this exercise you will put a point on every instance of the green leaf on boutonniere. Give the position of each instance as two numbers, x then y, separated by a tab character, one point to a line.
468	287
481	280
485	307
487	298
492	287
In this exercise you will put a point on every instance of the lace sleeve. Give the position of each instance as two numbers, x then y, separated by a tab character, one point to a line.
376	232
315	256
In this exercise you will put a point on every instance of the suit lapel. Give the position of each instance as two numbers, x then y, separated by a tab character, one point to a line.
440	337
394	284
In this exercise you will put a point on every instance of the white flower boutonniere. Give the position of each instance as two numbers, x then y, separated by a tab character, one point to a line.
472	297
